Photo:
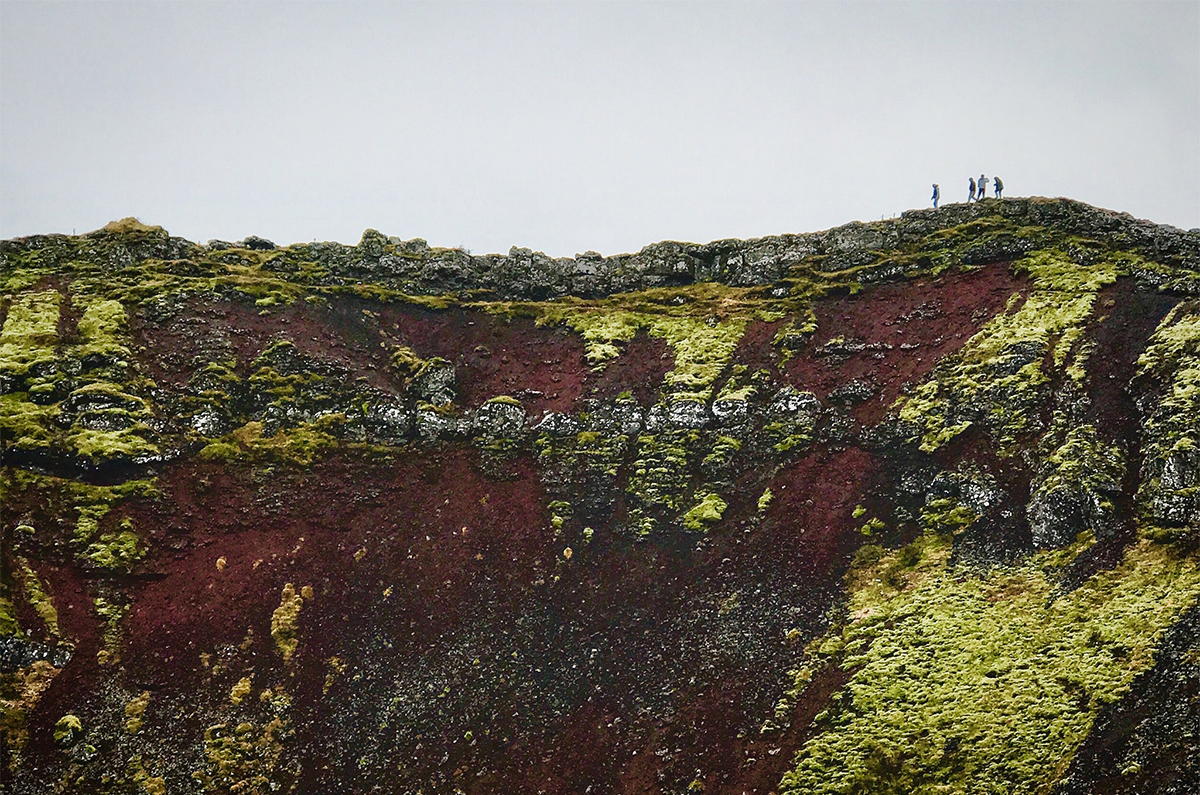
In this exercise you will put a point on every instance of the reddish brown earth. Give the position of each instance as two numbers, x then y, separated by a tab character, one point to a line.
462	572
640	369
544	366
907	329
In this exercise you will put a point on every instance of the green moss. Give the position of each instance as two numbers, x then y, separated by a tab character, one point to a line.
116	552
102	330
285	621
151	785
718	462
8	615
706	512
30	333
659	478
1170	365
702	324
1052	269
997	379
981	681
219	451
25	425
241	758
298	446
110	614
404	362
132	226
98	447
764	500
37	598
702	350
135	711
946	516
67	731
604	332
240	690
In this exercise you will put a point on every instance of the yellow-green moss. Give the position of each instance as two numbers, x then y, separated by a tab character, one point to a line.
8	614
701	323
25	425
67	730
404	362
285	621
241	758
658	478
300	446
979	385
101	446
119	551
1172	360
240	690
978	681
706	512
30	332
37	597
135	710
103	327
151	785
110	613
131	226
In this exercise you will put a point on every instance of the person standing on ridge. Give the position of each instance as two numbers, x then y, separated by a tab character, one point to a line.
982	186
971	198
999	186
936	195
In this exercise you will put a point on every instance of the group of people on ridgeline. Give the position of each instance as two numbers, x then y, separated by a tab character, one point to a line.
978	189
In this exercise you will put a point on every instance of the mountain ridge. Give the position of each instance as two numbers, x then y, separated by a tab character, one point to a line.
895	506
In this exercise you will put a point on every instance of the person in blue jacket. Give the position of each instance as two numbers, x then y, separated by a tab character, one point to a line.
937	194
971	198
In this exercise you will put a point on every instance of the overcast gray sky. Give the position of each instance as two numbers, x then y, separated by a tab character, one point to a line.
574	126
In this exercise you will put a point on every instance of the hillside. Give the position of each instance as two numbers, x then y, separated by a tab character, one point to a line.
900	507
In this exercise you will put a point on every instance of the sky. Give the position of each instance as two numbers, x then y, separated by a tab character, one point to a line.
569	127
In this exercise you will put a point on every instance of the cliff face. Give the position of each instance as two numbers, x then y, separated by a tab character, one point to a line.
909	506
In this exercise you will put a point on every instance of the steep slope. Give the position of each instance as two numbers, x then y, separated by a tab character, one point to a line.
908	506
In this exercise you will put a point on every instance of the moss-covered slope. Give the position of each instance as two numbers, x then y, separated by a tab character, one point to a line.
908	506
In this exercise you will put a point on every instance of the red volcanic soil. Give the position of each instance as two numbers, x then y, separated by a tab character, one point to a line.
208	330
641	367
460	619
721	687
1127	317
906	329
544	366
425	526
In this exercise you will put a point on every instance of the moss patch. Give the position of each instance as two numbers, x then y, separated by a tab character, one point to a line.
981	681
30	333
285	621
999	379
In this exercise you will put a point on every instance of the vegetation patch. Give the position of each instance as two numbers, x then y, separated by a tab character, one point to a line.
980	680
999	378
704	513
285	621
1170	365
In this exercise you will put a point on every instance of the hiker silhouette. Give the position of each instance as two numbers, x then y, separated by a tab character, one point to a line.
983	181
937	194
971	198
999	186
